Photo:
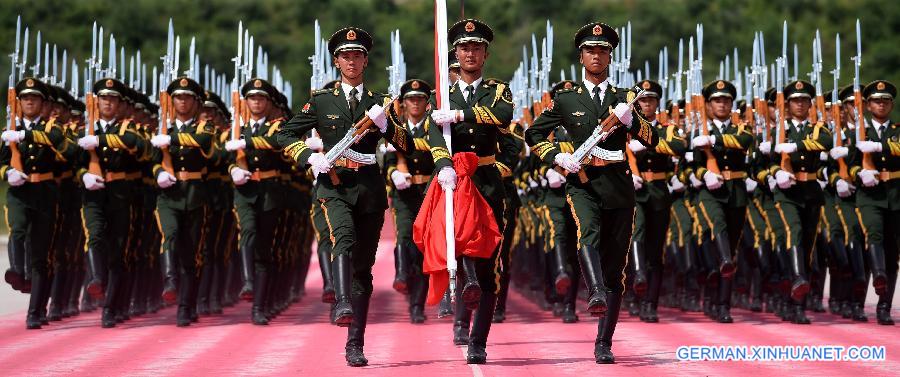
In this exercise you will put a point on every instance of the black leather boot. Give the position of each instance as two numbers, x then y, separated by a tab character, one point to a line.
857	268
639	263
605	329
203	289
401	267
15	274
327	276
471	290
247	273
563	279
481	327
343	309
726	260
185	299
877	265
417	296
38	286
800	286
260	283
883	309
356	334
799	317
96	273
170	277
445	308
589	258
113	285
652	297
57	295
723	313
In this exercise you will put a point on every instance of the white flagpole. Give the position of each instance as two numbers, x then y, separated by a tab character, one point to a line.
443	96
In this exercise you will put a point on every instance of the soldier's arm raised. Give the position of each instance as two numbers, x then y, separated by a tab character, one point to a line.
537	136
672	144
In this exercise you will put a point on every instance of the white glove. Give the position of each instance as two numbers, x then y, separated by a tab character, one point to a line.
689	156
389	148
844	189
89	142
239	176
869	146
838	152
165	180
376	114
233	145
713	181
637	181
700	141
532	183
823	156
161	141
784	179
636	146
822	183
319	163
543	182
10	136
623	112
772	183
765	147
92	181
444	117
568	162
785	148
401	179
447	178
868	177
676	184
696	182
712	140
751	184
554	179
314	143
15	177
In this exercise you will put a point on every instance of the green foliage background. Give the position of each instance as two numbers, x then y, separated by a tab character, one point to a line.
284	28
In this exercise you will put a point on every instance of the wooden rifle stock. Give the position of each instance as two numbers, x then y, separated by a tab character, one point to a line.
867	162
785	157
93	108
167	116
14	113
711	163
839	140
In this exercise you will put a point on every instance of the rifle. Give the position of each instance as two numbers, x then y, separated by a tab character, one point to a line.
779	100
867	162
836	110
396	77
601	132
353	135
167	113
12	101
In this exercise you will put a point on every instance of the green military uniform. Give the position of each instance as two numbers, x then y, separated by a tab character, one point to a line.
31	204
799	205
417	167
653	208
259	201
877	205
181	207
485	110
723	210
351	191
601	194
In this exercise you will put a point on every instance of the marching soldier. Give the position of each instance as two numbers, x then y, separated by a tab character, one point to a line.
320	225
219	220
181	203
723	200
32	197
257	191
479	109
410	174
108	195
600	194
653	199
350	190
799	198
877	168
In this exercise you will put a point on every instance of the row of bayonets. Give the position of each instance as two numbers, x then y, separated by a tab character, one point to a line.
530	82
115	65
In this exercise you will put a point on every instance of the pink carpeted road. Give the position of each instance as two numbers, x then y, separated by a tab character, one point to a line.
302	342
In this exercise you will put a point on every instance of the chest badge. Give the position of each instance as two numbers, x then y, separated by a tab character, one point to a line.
578	113
332	116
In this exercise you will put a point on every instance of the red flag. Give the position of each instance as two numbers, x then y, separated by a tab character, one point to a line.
477	234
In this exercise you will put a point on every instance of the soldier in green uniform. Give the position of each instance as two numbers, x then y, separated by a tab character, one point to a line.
181	204
599	189
257	196
653	199
723	200
409	175
32	196
220	203
478	110
877	169
320	225
108	195
350	190
799	198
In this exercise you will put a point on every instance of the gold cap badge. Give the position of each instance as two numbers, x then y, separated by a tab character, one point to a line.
880	86
470	27
598	30
109	83
351	35
183	82
646	85
257	84
720	85
415	85
29	83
